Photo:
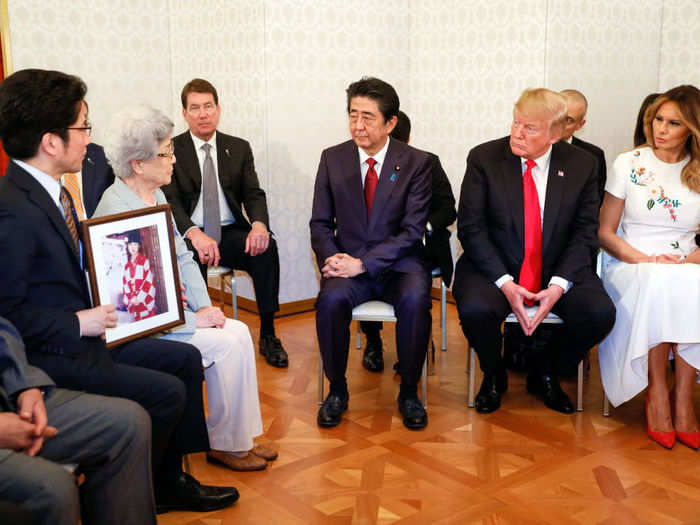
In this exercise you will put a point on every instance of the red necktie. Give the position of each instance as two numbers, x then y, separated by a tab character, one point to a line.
531	270
371	180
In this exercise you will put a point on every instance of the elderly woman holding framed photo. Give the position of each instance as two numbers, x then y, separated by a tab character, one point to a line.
141	154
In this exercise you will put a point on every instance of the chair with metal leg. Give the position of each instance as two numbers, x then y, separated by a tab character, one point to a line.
550	319
225	276
374	311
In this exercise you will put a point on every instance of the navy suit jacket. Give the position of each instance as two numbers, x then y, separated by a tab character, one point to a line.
236	172
392	237
442	214
490	220
599	155
97	176
43	285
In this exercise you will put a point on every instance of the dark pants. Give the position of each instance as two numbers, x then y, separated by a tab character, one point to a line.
587	312
151	372
409	293
264	268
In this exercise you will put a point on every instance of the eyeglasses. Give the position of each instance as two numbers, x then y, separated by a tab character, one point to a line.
169	154
87	129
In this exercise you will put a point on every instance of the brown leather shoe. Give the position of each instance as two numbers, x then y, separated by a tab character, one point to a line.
246	463
264	452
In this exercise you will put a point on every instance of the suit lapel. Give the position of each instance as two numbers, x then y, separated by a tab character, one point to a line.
39	196
87	174
190	162
352	183
512	182
388	178
224	172
555	187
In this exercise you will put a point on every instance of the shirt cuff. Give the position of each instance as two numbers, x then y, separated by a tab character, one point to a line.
561	282
184	235
503	279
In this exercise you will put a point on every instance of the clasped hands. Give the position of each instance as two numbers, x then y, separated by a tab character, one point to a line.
26	430
665	258
342	265
256	242
516	296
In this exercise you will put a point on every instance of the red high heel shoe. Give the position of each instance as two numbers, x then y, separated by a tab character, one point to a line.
665	439
689	439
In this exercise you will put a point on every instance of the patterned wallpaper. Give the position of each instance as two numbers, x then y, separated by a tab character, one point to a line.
281	68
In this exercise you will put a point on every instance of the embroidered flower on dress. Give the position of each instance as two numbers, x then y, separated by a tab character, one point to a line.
640	177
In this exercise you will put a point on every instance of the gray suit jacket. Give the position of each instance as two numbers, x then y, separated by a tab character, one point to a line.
119	198
16	375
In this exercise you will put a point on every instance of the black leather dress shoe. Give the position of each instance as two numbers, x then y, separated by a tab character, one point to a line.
271	348
373	359
413	412
489	397
331	412
547	387
186	493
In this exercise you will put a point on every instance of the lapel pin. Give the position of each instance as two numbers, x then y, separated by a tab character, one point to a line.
397	167
228	154
560	173
393	177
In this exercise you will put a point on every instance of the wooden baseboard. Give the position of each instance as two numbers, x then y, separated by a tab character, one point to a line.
293	307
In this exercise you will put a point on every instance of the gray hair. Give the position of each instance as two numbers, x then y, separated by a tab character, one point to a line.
135	134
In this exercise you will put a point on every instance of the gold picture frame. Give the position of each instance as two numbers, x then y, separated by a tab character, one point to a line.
5	38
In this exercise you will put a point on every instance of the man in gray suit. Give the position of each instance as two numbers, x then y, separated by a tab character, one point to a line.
108	438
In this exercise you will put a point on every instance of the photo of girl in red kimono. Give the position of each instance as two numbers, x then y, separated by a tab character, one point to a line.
137	280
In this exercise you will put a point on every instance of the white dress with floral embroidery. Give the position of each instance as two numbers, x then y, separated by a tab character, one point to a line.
655	303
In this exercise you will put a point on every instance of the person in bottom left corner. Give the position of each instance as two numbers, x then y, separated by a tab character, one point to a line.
42	427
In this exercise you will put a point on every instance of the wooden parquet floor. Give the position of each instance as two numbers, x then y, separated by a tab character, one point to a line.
523	464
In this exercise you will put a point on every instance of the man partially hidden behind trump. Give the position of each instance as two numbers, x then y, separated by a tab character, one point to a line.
370	209
527	220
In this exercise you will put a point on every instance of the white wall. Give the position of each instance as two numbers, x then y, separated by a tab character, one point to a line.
281	68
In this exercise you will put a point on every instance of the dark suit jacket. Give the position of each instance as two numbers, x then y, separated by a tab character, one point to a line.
490	222
43	285
236	172
392	238
97	176
599	155
441	215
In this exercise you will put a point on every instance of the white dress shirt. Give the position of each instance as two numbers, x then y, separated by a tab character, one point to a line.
378	157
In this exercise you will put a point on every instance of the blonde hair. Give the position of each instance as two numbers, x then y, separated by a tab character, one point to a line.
541	101
687	98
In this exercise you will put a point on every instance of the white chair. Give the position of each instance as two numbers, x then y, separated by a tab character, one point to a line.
550	319
225	276
374	311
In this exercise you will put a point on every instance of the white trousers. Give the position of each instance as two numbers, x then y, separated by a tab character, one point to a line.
232	385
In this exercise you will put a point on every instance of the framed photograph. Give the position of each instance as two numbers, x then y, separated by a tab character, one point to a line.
131	262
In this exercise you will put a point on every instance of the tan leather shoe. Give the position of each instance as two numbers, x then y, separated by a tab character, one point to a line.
246	463
264	452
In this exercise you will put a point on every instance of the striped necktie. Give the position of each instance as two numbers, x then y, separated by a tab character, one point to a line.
69	218
70	182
